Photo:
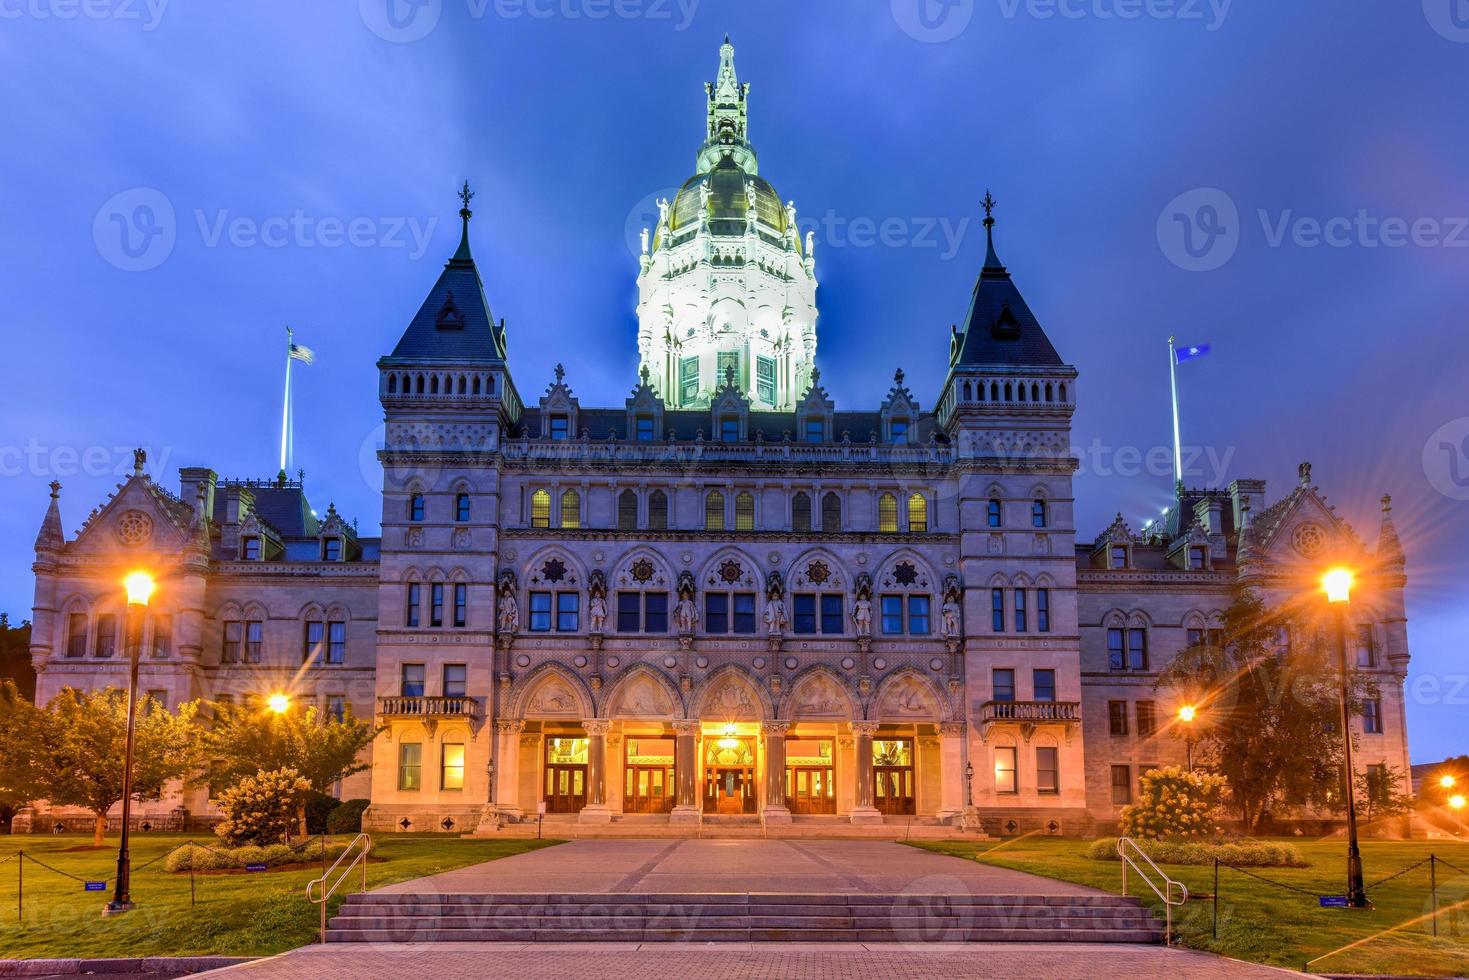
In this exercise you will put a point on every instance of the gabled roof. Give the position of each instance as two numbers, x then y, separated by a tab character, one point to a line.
999	329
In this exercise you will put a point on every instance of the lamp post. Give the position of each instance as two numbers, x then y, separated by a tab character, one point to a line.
1337	584
1456	804
969	784
139	587
278	703
1186	714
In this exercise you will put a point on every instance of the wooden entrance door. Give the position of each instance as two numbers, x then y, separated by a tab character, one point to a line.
566	788
730	790
809	789
892	776
649	789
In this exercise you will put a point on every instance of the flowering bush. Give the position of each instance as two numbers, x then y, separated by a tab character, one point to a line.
1174	803
262	809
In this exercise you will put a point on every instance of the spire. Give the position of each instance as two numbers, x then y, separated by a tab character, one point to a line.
52	535
992	262
728	123
465	195
1389	548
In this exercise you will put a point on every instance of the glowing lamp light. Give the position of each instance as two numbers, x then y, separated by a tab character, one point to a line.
1337	584
278	703
1457	801
139	586
729	742
1187	713
1447	782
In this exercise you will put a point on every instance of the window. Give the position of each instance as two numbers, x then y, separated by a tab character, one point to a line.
744	511
336	707
627	511
729	612
411	680
918	614
331	549
688	379
560	428
451	771
461	605
1117	718
993	513
1127	649
1038	513
729	429
658	511
414	600
76	636
1366	649
1021	624
254	640
815	430
1044	682
540	612
568	612
1206	637
540	509
1119	556
1198	558
1006	778
892	614
906	614
1043	610
1121	786
900	430
336	643
729	361
234	643
570	509
643	428
436	604
831	511
1147	718
887	514
456	680
642	612
714	511
162	636
765	379
1047	770
997	610
416	507
250	549
917	513
410	765
1004	683
315	643
1372	717
157	698
818	613
461	508
801	512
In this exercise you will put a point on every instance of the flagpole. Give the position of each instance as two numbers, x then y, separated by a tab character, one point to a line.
1173	385
286	405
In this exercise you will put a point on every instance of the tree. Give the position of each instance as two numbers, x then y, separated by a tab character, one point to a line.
1269	714
15	656
1380	793
20	742
1173	803
259	809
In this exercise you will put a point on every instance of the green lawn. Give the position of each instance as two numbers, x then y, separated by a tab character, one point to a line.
1267	924
240	914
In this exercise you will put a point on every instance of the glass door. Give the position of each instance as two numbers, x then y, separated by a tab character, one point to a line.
566	775
892	776
810	788
649	783
729	775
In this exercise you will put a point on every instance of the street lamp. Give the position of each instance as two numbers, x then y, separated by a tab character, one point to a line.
1456	803
1337	584
278	703
1186	714
969	784
139	586
1447	782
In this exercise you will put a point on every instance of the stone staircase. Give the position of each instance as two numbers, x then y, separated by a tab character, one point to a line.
437	918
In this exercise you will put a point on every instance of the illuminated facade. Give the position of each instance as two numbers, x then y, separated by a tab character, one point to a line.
720	601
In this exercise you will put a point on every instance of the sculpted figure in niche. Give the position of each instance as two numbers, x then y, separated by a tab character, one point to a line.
509	612
775	614
686	615
597	610
862	615
951	618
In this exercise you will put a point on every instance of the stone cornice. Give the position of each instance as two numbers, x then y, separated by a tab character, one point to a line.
696	536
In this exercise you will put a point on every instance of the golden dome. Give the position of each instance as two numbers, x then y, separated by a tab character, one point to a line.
727	201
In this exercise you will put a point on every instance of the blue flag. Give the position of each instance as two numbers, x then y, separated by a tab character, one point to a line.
1191	353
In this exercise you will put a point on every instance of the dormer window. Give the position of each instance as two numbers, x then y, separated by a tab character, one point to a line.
331	549
815	430
250	549
644	428
729	429
900	430
416	508
1198	558
1119	556
560	427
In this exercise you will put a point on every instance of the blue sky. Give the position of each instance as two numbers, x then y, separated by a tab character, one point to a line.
1286	181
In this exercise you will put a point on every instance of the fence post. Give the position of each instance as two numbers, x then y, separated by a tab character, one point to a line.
192	858
1433	888
1216	898
20	879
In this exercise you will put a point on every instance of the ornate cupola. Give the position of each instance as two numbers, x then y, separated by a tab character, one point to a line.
725	280
450	363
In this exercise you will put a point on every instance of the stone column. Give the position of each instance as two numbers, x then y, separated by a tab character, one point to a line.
596	810
864	811
507	769
775	810
951	775
686	807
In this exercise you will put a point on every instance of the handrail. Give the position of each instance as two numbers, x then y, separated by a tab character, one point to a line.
1165	895
318	885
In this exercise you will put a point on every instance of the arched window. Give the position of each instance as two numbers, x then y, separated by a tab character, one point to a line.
658	511
1038	513
415	507
433	384
627	511
461	508
540	509
570	509
744	512
887	514
476	385
917	513
993	513
801	512
392	384
714	511
831	512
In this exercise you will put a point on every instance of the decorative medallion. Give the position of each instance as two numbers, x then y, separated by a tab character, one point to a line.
1309	540
848	663
554	570
936	664
522	661
818	572
791	663
134	528
880	664
774	557
730	571
580	661
642	570
905	573
670	662
614	662
701	662
759	663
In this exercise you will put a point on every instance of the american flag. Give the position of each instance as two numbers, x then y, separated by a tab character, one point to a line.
302	353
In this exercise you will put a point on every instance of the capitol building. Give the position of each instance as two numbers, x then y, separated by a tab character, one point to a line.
726	599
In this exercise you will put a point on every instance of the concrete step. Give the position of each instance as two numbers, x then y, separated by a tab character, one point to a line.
977	935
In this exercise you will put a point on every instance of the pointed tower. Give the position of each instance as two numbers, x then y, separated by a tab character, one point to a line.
725	280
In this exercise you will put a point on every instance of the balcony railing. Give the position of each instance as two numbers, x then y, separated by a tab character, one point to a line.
1032	712
425	707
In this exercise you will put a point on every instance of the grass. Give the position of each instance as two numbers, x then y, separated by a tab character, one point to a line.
239	914
1268	924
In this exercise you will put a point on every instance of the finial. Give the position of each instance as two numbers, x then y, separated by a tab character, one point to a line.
140	459
988	204
729	373
898	377
644	373
55	489
1386	503
560	374
815	375
301	477
1304	472
727	40
465	196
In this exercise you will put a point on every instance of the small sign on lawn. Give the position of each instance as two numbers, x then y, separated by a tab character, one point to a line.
1334	901
94	886
254	867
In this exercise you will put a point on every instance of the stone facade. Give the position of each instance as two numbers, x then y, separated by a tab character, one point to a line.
712	604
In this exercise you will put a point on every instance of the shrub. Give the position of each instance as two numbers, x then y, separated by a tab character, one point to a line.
197	858
1173	803
346	818
319	806
261	809
1244	854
